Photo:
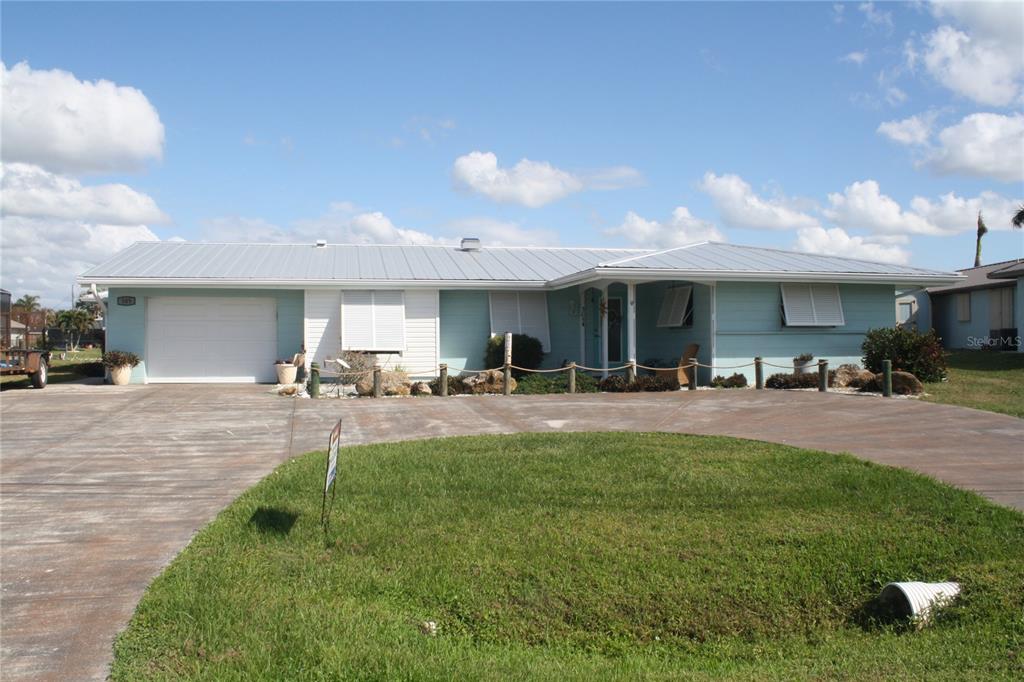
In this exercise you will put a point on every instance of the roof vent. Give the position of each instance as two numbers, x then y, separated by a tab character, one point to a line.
321	243
470	244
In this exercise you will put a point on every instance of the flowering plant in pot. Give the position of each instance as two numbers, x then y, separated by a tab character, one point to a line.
120	364
802	363
286	371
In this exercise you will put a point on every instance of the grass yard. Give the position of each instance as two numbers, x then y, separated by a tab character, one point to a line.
986	380
60	370
582	557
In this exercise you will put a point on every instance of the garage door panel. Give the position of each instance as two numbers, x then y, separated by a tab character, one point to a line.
200	339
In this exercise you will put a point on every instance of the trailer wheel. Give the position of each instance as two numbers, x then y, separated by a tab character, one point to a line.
41	375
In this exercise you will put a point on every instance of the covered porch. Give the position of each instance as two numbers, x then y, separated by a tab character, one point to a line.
649	323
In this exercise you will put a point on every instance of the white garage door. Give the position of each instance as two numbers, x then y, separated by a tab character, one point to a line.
210	340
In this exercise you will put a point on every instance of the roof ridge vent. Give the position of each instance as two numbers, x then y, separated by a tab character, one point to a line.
470	244
321	243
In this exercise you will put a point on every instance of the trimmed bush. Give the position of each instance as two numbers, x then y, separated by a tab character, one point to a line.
540	384
909	350
119	358
807	380
527	352
615	383
737	380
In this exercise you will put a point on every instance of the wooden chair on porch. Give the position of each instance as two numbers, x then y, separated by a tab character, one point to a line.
680	375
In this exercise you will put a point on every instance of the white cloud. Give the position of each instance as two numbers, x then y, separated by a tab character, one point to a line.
43	256
863	206
983	144
55	228
984	71
837	12
914	130
32	192
681	229
500	232
857	58
534	183
339	225
836	242
54	120
875	17
894	96
741	207
997	21
952	214
530	183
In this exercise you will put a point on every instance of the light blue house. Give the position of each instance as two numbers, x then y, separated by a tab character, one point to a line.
983	310
223	312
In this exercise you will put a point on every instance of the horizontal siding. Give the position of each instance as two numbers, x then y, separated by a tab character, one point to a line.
420	357
322	325
750	325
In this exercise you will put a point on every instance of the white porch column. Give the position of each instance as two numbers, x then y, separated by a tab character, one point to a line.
604	331
583	326
631	321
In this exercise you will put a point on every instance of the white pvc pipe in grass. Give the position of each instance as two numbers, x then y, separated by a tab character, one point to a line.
918	600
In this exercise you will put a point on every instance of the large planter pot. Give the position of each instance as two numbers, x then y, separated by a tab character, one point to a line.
804	366
286	373
119	376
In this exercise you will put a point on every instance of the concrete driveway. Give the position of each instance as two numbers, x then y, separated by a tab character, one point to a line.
102	486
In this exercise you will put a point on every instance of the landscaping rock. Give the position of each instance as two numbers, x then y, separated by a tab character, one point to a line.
852	376
491	381
903	383
421	388
391	382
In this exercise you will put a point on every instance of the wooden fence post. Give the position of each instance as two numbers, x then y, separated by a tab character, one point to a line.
508	363
314	380
631	372
442	386
823	375
691	375
378	389
572	377
887	378
759	373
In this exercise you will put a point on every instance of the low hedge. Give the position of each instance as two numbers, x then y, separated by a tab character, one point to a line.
541	384
90	369
644	383
737	380
805	380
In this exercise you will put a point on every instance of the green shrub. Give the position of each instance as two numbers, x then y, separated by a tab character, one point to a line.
909	350
806	380
540	384
359	364
737	380
456	386
527	352
616	383
90	369
120	358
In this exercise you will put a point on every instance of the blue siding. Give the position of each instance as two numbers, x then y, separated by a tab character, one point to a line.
750	324
1018	313
667	344
564	323
126	325
465	328
956	334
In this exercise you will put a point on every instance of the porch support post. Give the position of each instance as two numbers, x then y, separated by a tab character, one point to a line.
604	331
583	326
631	321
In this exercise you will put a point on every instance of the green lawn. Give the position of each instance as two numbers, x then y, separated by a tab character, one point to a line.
581	557
986	380
60	370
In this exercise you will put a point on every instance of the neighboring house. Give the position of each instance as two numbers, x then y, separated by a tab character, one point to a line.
983	310
223	312
913	309
18	338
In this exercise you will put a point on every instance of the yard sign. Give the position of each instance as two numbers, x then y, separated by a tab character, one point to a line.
332	472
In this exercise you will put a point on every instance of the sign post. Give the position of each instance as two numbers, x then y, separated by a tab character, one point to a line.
332	473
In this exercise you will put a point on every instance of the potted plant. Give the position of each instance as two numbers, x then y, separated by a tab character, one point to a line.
803	363
286	371
120	364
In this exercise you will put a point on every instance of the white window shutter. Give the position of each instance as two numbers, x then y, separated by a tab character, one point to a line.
533	317
357	320
797	304
828	306
673	306
504	312
389	321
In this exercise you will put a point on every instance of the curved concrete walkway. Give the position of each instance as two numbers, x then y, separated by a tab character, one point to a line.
101	486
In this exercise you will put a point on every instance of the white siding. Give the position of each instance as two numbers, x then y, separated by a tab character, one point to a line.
421	332
322	325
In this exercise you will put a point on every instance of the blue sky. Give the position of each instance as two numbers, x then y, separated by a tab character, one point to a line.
875	130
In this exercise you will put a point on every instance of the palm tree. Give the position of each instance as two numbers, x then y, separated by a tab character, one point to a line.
981	233
28	303
73	323
1018	218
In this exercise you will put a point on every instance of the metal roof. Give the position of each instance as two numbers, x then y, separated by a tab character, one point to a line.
178	263
978	278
